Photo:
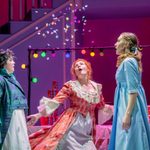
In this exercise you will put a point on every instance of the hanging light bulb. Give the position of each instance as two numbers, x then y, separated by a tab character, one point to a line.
24	66
53	54
67	54
101	52
92	53
35	54
43	54
34	80
83	51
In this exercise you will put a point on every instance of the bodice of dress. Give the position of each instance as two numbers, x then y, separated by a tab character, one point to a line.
128	74
81	100
91	96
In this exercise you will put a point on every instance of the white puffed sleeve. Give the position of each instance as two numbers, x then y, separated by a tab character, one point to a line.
47	106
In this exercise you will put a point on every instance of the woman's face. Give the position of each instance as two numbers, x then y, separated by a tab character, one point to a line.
80	69
9	66
120	45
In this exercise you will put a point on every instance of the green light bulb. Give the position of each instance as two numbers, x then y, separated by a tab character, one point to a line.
43	54
34	80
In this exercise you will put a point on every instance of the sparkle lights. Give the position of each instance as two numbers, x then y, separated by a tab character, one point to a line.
51	27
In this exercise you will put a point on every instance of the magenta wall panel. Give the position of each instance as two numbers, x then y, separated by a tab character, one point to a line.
35	3
46	3
42	3
103	33
18	10
4	13
22	9
15	10
29	5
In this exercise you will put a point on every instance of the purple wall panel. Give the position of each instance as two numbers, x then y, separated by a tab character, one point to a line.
46	69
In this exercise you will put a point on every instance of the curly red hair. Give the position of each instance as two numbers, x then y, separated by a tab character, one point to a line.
88	64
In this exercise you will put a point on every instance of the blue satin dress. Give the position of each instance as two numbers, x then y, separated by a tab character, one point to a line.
137	137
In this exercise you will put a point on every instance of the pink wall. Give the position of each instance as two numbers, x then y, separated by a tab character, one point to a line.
29	5
43	3
104	32
16	9
18	12
19	8
3	12
47	4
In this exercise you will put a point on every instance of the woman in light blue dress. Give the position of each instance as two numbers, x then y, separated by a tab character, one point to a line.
130	130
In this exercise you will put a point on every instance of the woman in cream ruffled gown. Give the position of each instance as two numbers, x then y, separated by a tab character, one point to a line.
75	128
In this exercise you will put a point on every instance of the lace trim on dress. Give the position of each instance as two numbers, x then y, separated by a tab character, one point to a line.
47	106
89	96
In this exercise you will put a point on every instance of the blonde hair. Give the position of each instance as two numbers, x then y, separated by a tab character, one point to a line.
88	64
132	49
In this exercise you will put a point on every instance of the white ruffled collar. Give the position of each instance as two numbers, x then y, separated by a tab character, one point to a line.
90	96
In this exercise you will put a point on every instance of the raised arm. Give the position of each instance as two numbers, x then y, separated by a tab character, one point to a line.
48	106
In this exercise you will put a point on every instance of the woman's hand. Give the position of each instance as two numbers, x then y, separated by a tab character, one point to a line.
126	122
32	119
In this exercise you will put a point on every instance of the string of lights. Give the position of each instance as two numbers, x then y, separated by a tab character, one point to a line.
43	51
34	53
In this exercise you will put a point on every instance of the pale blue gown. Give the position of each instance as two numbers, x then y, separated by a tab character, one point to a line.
137	137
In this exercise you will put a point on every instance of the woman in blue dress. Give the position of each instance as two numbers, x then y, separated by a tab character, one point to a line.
130	130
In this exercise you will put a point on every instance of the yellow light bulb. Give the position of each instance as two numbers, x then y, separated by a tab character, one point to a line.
92	54
35	55
23	66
